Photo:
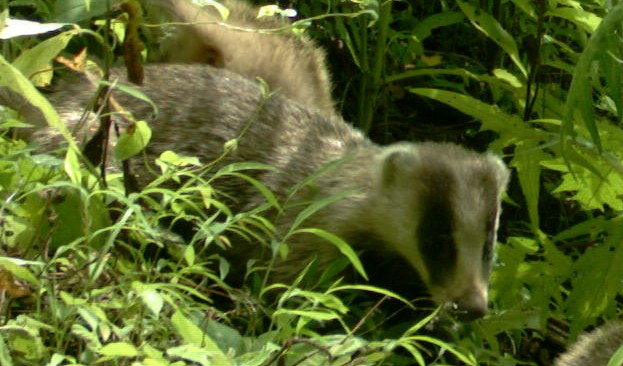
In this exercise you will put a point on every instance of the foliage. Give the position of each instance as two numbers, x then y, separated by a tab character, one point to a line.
544	76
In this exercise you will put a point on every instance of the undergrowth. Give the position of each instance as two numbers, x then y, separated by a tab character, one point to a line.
91	274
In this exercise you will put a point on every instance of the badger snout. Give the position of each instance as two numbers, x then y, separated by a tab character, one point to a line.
470	305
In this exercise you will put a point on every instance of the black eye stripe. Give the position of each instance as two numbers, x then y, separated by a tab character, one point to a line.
435	229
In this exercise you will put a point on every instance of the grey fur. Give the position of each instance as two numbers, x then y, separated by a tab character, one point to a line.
594	348
423	215
293	65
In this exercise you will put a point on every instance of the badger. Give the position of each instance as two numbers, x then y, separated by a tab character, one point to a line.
255	47
595	348
422	216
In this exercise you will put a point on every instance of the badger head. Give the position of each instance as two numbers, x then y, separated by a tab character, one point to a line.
438	207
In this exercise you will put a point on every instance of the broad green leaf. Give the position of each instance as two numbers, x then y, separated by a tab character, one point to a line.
327	300
527	161
189	255
8	264
72	165
119	349
78	10
527	6
318	315
617	358
71	300
373	289
510	127
261	188
424	27
594	291
83	332
154	357
196	337
132	141
611	69
131	91
487	24
592	191
584	19
580	91
23	339
170	157
508	78
316	206
226	337
39	58
421	323
151	298
414	351
5	353
195	354
12	78
340	244
467	359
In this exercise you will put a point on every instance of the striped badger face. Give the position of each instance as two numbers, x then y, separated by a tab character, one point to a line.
443	203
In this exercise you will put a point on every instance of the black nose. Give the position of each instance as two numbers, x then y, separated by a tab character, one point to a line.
467	315
470	307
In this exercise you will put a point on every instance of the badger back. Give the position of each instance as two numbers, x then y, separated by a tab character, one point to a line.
595	348
433	206
252	46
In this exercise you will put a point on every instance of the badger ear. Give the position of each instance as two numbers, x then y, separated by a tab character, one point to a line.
501	171
390	169
396	162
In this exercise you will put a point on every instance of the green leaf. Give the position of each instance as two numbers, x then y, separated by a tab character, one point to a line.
193	353
12	78
196	337
264	191
119	349
189	255
424	28
582	18
18	270
580	90
510	127
40	57
527	161
72	165
5	353
23	339
131	91
340	244
487	24
592	191
617	358
226	337
316	206
153	300
583	305
373	289
133	140
527	6
318	315
78	10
